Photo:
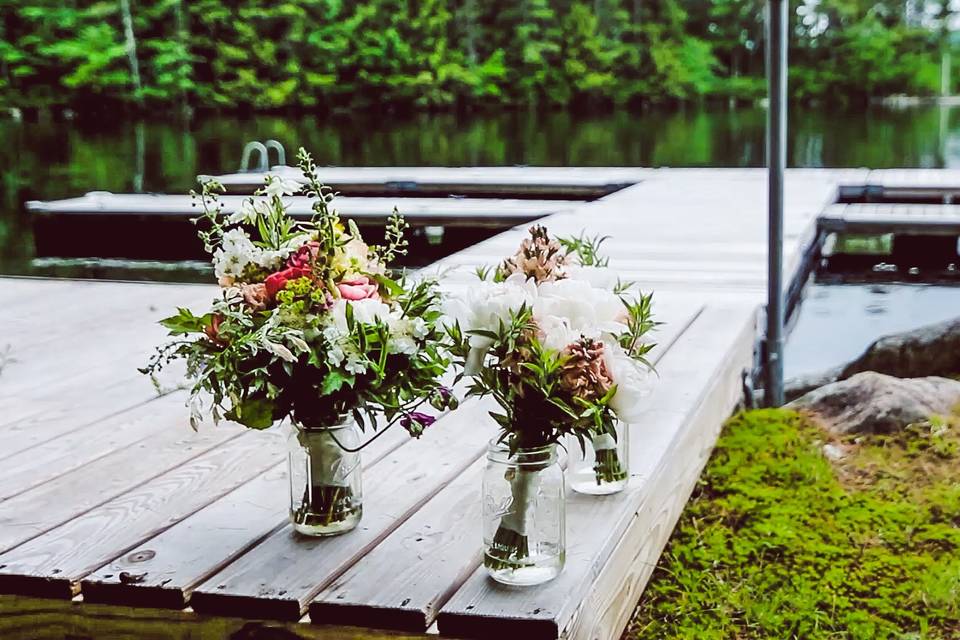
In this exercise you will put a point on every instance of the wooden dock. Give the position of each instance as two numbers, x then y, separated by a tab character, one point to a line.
497	213
116	519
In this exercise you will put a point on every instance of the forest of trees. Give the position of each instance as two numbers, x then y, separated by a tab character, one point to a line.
350	54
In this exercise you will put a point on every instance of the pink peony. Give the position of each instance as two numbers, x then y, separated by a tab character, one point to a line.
359	288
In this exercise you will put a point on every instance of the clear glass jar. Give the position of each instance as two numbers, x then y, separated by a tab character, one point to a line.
326	493
524	516
602	465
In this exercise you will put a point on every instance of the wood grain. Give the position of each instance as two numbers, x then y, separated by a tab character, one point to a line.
83	445
53	503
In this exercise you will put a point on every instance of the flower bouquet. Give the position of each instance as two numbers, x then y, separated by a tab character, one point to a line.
312	325
560	344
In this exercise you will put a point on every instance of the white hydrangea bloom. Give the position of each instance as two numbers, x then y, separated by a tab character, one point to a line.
234	253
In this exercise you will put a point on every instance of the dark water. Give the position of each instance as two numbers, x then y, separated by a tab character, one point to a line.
837	322
49	160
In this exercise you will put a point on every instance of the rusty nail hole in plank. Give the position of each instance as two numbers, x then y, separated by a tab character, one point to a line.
131	578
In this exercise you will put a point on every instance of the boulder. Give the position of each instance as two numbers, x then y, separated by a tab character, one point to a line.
933	350
871	402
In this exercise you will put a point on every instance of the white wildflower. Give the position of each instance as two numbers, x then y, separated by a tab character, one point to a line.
277	186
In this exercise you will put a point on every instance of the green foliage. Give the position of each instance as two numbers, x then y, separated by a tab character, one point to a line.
332	54
285	337
778	542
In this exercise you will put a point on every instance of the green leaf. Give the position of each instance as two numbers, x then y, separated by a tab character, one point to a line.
185	322
255	413
335	380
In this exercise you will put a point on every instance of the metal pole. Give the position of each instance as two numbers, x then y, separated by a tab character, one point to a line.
776	162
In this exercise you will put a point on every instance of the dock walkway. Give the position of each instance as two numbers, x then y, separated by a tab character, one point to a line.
116	518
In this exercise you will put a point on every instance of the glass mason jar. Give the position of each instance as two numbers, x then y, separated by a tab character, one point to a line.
602	465
524	528
326	494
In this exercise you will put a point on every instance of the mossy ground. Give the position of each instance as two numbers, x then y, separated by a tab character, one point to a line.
778	541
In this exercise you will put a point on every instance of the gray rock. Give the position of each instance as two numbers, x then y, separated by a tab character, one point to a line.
933	350
872	402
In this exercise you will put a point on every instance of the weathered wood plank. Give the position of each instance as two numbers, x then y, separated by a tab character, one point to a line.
45	506
279	577
173	563
24	618
73	405
402	582
472	212
706	363
53	564
570	182
77	448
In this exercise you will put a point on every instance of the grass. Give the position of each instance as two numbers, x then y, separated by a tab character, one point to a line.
778	541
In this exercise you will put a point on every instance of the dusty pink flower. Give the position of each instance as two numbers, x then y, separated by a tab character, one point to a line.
255	295
359	288
539	257
585	372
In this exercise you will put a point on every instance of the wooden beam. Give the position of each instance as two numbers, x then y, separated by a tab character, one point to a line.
23	618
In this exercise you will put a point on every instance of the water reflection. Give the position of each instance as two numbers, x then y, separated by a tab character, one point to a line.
48	160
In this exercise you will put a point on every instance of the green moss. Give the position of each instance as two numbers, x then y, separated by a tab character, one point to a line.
778	542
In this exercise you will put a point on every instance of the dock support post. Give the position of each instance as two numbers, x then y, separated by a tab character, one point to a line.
776	163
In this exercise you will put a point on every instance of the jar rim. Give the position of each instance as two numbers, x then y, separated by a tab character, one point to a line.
345	420
500	452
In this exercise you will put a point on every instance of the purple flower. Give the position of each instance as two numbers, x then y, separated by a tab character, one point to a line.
415	422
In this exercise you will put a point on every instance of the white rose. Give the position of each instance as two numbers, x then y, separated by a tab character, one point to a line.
633	381
588	309
484	305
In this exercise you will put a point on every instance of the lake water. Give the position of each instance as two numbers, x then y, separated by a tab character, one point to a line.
49	160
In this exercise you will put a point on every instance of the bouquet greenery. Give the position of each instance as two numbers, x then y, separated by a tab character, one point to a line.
560	343
310	323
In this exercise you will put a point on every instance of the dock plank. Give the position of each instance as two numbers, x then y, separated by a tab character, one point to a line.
67	407
472	212
44	507
79	447
567	182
